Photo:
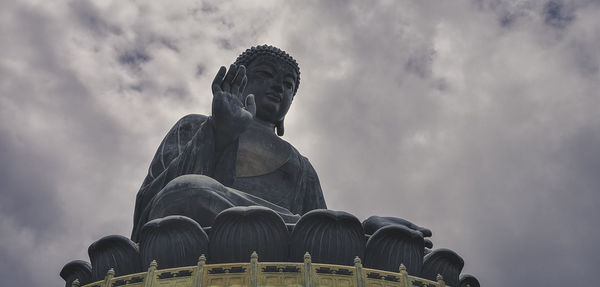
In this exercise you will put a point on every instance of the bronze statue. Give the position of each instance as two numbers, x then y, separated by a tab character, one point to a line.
233	157
230	172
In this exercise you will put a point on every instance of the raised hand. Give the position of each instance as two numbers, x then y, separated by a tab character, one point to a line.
232	112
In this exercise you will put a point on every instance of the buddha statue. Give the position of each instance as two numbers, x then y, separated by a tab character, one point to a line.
235	156
231	172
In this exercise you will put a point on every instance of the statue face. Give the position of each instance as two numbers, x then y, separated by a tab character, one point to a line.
272	82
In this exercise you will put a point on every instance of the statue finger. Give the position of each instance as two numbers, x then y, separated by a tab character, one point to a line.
251	105
226	84
428	243
216	84
425	231
236	83
243	87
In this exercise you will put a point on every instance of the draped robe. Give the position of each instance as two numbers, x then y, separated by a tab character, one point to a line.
289	184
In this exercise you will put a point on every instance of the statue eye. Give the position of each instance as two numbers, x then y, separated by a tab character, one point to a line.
289	84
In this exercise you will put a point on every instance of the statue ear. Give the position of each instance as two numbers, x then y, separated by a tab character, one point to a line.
279	126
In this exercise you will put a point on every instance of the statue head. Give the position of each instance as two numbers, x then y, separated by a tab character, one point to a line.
273	79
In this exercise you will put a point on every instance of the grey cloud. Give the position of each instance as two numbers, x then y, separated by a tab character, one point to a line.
134	59
52	131
171	45
29	192
507	19
176	93
89	16
557	14
200	69
581	159
209	8
225	44
420	64
19	275
584	57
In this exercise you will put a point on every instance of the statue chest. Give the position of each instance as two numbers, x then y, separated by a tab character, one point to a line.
269	168
261	153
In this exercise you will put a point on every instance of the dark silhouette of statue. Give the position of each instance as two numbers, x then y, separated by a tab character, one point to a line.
232	173
234	157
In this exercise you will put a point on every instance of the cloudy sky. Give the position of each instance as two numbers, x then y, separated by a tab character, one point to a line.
476	118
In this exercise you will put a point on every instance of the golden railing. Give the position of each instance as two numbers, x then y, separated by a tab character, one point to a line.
254	274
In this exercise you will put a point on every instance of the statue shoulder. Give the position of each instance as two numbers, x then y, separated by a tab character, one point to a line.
302	158
183	131
191	121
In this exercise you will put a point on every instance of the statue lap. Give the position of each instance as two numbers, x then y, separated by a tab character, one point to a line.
201	198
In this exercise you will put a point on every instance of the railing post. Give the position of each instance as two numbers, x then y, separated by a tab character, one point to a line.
199	272
75	283
308	274
440	281
404	276
149	280
253	270
109	276
360	276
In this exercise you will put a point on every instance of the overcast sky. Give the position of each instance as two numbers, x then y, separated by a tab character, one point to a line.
477	119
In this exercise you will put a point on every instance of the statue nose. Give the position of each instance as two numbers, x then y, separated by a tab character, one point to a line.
278	84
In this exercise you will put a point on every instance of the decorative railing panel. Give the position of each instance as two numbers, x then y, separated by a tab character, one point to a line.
236	274
280	274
